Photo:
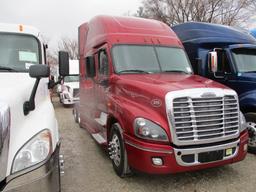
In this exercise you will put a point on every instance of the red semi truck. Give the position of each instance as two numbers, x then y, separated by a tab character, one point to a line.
141	100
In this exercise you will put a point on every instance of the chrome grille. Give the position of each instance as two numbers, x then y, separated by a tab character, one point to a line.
202	115
75	92
205	118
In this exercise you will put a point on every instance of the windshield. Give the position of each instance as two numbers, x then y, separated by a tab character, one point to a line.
245	59
149	59
18	52
71	78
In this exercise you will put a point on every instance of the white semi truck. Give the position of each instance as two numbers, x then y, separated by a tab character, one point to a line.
29	136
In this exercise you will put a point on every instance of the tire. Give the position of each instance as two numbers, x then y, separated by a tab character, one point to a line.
60	99
251	124
59	177
75	113
117	152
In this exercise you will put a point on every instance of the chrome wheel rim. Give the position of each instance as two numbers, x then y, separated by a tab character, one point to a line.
115	150
252	128
75	115
79	120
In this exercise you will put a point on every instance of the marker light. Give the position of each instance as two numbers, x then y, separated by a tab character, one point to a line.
157	161
21	28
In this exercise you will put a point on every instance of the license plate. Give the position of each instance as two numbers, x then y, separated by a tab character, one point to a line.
229	152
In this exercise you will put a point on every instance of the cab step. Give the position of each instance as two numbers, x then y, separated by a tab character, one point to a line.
99	138
102	120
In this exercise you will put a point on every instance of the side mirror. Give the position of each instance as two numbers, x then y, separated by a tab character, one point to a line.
90	67
213	60
39	71
63	63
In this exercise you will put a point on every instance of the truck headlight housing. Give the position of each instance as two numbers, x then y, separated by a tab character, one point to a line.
35	151
68	88
243	124
67	95
146	129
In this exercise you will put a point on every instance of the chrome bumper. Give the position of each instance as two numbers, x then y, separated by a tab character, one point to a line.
46	178
190	157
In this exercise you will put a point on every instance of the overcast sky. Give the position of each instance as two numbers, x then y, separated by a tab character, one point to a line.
61	18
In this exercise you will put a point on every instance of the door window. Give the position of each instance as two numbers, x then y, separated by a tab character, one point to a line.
103	63
223	63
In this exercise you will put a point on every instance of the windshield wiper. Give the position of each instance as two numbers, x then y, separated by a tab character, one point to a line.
7	68
176	71
133	71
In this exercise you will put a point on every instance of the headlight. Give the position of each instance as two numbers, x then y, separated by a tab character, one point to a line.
67	95
68	88
243	124
33	152
146	129
65	88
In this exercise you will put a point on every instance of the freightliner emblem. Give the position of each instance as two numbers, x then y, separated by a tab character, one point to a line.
207	95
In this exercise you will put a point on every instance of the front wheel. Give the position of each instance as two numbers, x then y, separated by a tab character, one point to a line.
251	125
117	152
76	116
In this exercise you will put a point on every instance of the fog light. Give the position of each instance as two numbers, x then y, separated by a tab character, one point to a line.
157	161
245	147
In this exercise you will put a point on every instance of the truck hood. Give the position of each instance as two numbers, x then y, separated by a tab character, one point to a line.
73	85
149	90
160	84
145	94
251	76
15	90
244	83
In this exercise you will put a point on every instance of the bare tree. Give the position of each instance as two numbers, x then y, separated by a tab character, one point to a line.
172	12
69	45
51	57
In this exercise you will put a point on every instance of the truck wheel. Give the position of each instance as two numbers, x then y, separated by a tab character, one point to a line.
251	124
60	169
117	152
75	113
59	178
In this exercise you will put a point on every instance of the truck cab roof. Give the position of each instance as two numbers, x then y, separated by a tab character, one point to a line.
19	28
125	30
199	33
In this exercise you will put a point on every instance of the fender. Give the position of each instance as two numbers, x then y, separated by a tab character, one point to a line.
125	111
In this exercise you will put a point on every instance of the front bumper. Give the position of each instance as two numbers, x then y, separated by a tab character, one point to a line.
45	178
70	101
140	155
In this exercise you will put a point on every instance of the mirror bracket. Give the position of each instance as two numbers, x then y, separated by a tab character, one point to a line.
52	83
219	76
30	104
104	82
35	71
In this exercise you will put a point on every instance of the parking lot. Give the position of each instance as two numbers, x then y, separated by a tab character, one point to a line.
87	168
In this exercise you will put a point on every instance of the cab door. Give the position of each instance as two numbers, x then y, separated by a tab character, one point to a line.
102	88
87	93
